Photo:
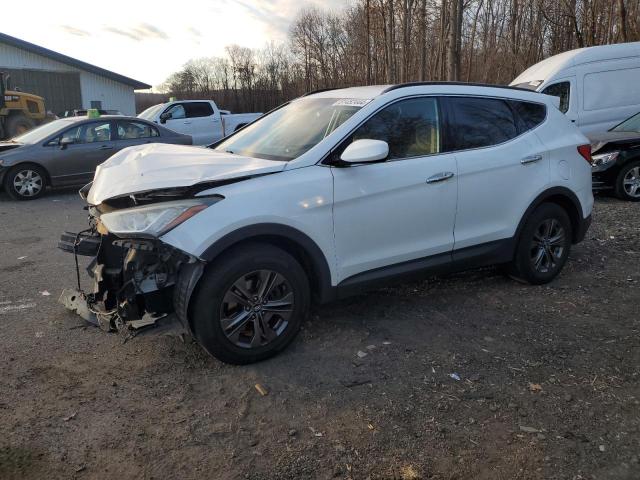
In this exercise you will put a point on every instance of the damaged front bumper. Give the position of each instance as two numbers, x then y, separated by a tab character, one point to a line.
139	285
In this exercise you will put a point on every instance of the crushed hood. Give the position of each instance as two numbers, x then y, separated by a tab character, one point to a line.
613	139
157	166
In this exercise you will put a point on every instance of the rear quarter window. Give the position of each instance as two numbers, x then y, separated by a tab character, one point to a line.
530	114
480	122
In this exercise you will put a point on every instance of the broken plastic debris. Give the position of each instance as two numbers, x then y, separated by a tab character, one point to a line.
263	391
455	376
22	257
526	429
45	293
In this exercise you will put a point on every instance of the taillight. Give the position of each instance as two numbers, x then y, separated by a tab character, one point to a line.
585	151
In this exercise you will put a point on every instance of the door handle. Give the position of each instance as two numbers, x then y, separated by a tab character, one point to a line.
106	147
187	123
440	177
531	159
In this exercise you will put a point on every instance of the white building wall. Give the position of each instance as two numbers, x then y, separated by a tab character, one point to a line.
112	94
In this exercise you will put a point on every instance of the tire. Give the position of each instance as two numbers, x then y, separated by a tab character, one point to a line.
238	330
18	124
627	185
543	246
25	182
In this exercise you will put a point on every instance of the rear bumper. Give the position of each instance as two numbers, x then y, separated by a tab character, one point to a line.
582	229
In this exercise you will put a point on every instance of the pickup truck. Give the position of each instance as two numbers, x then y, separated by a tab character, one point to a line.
202	119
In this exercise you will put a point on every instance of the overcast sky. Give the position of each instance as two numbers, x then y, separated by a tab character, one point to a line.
148	40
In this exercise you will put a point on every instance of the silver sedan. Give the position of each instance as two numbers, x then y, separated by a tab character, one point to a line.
66	152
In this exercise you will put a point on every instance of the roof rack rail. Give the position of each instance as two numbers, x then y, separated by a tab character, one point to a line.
320	90
418	84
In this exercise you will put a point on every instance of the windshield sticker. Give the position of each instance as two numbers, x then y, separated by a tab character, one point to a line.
351	102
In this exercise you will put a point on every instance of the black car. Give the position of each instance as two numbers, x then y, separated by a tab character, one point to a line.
616	159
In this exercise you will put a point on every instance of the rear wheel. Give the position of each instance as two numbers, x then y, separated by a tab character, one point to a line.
250	304
543	246
25	182
628	182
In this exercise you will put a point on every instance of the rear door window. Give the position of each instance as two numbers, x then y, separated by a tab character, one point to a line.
480	122
410	127
130	130
198	109
562	90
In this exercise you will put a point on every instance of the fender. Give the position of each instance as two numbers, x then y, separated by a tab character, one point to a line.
290	239
579	224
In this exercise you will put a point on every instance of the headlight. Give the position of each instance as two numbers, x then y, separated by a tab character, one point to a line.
154	220
603	161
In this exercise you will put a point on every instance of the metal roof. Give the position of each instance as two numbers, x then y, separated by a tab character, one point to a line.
551	66
59	57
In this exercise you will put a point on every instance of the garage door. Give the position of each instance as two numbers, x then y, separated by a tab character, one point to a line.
61	90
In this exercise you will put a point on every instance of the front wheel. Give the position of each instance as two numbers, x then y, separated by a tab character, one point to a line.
25	182
250	304
628	182
543	246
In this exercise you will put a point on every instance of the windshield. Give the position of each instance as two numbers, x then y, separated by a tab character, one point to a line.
151	112
631	124
293	129
40	133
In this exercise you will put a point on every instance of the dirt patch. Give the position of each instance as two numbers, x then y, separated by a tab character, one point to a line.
470	376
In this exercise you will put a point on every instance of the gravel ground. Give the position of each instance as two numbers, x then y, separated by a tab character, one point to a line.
470	376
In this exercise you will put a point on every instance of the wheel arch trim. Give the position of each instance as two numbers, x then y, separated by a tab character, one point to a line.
285	237
565	198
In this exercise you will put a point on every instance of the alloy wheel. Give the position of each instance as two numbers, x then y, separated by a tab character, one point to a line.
631	182
256	309
547	246
28	183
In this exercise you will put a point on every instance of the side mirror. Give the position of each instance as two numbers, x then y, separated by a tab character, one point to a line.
364	151
65	141
164	117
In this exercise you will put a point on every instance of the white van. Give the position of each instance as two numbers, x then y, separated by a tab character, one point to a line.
598	87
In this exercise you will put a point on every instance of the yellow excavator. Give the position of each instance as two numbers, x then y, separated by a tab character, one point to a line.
19	111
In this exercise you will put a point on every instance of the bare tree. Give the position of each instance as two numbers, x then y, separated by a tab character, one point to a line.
386	41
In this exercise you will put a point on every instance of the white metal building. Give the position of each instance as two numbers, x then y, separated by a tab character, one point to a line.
64	82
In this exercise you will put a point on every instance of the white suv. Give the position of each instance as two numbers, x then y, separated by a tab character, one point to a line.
330	194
